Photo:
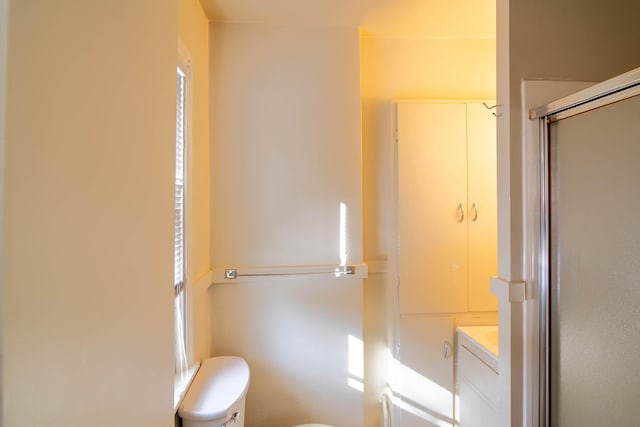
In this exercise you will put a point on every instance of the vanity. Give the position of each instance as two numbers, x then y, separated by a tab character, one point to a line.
477	376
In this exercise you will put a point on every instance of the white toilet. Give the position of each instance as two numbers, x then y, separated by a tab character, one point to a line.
217	395
216	398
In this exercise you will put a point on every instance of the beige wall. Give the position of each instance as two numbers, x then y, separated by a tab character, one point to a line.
576	40
394	68
286	151
193	32
572	40
4	24
87	303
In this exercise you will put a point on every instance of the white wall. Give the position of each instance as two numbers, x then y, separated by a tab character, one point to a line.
302	340
193	31
573	40
402	68
88	299
286	151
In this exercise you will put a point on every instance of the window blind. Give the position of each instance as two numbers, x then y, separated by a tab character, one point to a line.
179	189
179	231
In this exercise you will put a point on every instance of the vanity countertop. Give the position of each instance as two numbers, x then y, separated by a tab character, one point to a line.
482	341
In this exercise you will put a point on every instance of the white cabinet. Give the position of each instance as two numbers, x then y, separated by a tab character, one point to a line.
424	372
446	207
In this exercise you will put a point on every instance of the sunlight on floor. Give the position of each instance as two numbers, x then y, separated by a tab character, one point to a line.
419	396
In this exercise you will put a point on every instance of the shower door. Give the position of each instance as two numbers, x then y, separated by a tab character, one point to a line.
591	343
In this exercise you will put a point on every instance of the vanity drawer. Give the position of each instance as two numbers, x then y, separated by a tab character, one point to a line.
479	375
474	410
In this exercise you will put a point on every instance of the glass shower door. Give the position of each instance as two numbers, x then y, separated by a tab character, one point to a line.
594	267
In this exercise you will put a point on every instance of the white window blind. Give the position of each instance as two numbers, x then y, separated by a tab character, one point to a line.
179	232
179	190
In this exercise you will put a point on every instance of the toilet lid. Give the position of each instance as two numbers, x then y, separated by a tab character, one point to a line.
219	384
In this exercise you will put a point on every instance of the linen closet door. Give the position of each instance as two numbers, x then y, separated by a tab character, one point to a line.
432	207
483	206
595	267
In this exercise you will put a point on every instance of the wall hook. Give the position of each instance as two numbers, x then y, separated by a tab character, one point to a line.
488	107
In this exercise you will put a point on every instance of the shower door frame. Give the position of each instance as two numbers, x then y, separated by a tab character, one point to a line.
619	88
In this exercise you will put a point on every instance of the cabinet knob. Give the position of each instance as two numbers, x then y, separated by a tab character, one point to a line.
474	212
460	213
446	350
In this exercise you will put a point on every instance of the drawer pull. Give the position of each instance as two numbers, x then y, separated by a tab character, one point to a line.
446	350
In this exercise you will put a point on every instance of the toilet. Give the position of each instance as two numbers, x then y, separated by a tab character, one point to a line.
217	396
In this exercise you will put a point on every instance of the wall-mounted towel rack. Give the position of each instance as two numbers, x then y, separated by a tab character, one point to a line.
226	275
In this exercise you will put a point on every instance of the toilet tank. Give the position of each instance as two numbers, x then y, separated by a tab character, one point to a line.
217	395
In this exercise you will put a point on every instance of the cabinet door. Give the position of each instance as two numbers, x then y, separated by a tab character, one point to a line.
424	373
432	192
482	219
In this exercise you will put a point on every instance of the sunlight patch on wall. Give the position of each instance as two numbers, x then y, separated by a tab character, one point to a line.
356	363
342	240
343	234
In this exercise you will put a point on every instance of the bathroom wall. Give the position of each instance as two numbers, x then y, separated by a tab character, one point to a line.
286	144
4	24
572	40
193	32
402	68
286	152
88	214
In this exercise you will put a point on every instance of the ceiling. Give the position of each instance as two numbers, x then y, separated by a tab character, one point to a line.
402	18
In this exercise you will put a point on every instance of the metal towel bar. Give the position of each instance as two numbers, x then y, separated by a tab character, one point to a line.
341	270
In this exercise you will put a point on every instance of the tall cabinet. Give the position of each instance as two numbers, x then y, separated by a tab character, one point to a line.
446	250
446	207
